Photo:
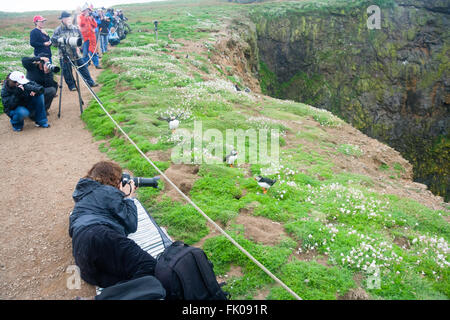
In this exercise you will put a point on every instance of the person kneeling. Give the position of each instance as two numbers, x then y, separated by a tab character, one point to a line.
23	98
40	71
113	37
103	216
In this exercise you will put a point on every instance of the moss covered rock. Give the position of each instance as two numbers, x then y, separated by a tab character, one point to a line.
391	83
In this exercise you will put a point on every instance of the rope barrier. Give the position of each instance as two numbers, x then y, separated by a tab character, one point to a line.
234	242
90	57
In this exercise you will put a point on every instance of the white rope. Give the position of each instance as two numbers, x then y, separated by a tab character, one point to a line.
90	57
270	274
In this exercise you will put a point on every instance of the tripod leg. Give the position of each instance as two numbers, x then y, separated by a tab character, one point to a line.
79	93
60	90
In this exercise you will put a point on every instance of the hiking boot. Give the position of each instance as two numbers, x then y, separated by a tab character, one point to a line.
73	89
17	129
47	125
95	84
98	67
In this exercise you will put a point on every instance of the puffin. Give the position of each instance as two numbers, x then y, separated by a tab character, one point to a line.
265	183
173	122
231	158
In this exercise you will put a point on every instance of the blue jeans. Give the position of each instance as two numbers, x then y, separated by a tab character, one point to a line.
36	108
104	42
68	75
87	54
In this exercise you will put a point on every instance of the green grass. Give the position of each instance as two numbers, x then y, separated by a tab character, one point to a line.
181	220
319	282
336	216
223	254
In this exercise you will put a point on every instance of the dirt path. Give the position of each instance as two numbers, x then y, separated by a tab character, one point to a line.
40	168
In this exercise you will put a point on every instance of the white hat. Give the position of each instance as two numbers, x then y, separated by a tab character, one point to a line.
84	7
19	77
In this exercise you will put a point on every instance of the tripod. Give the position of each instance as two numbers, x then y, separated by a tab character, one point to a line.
65	62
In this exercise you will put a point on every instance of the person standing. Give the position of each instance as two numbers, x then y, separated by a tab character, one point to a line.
39	38
66	51
97	14
87	25
104	31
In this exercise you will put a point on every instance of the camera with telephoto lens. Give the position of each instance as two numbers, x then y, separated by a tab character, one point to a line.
72	41
52	67
140	182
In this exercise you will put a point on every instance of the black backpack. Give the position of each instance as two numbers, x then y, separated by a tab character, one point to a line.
187	274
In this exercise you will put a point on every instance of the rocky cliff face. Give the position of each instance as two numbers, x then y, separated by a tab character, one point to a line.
391	83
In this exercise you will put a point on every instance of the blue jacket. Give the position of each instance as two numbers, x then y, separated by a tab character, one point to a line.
96	203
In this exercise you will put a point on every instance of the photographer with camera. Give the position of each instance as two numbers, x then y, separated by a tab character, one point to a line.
23	98
104	31
68	39
39	38
40	70
87	25
103	216
126	26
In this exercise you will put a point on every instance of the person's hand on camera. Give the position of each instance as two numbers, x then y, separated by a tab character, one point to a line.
21	87
129	189
45	59
32	93
48	43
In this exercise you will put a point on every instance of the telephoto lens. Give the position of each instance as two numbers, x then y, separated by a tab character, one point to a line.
146	182
52	67
72	41
139	181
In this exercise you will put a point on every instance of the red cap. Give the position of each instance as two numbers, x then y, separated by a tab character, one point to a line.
38	18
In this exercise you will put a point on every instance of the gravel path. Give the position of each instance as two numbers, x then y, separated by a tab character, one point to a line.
40	168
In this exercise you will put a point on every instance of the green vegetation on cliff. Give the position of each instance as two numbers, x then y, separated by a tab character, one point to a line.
389	83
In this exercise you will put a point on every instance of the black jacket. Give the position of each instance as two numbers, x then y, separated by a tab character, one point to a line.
103	26
37	75
37	39
96	203
12	97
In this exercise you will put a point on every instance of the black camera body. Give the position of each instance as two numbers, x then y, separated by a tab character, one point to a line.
33	87
140	182
48	64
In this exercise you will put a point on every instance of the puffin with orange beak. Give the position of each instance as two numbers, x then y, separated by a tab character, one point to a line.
265	183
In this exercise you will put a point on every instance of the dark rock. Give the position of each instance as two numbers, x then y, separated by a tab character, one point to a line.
392	83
